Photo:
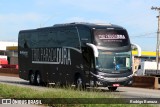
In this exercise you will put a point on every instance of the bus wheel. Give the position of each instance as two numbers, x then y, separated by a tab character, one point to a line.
79	83
38	79
112	88
32	78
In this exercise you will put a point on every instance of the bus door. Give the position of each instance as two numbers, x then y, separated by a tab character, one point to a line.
88	63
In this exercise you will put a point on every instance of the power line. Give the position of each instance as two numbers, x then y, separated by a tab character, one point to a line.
143	37
146	35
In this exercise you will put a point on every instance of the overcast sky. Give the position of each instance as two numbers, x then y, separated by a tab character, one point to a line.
134	15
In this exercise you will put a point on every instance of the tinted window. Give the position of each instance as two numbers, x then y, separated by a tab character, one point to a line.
24	40
52	38
57	37
43	38
21	40
85	35
68	37
28	39
33	40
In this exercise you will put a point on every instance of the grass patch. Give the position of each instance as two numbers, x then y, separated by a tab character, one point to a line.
10	91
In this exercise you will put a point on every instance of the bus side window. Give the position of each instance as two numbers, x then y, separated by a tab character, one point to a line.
60	37
25	44
21	42
52	38
84	35
34	40
72	36
27	41
68	37
43	38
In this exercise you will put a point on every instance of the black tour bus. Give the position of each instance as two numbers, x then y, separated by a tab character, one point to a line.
80	54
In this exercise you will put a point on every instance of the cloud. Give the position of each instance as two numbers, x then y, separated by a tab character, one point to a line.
12	23
20	17
44	3
135	15
83	19
76	19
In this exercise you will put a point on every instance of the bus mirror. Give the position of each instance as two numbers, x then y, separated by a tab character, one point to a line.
136	47
133	47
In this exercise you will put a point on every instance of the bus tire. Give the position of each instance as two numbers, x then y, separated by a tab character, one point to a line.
112	88
79	83
38	79
32	80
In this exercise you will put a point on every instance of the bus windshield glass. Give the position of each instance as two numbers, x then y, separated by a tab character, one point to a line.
111	37
114	62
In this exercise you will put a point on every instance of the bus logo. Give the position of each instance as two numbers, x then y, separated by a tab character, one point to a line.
51	56
111	36
116	79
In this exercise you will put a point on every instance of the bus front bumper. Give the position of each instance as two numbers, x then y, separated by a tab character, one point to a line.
113	82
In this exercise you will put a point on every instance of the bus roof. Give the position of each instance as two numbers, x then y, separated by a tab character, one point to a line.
89	25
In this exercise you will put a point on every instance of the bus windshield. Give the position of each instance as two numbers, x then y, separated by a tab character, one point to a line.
114	62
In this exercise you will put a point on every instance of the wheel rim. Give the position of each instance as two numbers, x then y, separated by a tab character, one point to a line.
38	79
32	78
79	83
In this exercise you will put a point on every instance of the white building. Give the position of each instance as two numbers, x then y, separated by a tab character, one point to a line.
4	44
9	49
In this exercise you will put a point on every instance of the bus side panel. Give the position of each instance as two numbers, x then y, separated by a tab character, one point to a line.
71	63
24	62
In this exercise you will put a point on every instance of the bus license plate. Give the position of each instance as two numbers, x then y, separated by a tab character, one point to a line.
116	85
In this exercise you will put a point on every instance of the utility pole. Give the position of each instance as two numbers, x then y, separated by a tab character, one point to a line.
158	36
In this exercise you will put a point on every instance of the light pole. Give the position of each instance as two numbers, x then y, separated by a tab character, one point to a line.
158	36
